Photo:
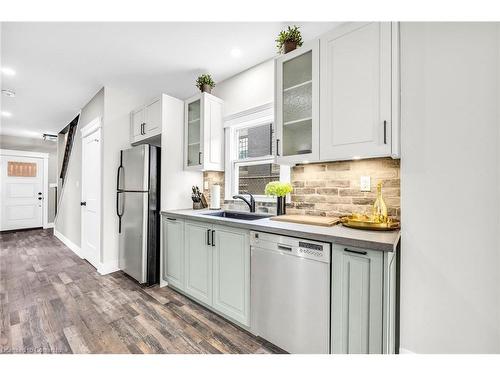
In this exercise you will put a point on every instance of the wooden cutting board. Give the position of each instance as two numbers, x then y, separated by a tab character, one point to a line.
306	219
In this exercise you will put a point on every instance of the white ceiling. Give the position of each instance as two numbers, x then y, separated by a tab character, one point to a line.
60	66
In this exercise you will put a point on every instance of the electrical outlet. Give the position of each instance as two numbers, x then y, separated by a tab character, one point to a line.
364	183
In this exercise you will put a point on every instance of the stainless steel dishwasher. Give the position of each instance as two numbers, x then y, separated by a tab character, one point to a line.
290	292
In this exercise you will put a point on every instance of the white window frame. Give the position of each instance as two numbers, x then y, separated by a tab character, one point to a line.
258	116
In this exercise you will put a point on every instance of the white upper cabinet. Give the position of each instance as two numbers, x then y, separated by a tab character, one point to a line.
356	91
297	105
203	133
146	121
153	118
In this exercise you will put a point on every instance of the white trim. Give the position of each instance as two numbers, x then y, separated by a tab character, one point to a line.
69	244
49	225
45	200
29	154
53	185
258	111
91	127
108	267
45	177
405	351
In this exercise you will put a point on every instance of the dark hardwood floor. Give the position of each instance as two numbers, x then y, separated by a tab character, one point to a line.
52	301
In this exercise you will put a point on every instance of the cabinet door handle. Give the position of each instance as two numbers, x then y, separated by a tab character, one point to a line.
385	132
213	241
277	147
208	237
355	251
199	157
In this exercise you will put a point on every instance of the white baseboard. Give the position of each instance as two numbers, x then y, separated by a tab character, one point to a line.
71	245
405	351
108	267
48	225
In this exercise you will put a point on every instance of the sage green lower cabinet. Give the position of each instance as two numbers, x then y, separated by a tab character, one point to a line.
173	252
198	261
209	263
231	273
357	300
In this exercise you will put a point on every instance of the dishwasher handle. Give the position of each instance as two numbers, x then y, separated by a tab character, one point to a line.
284	248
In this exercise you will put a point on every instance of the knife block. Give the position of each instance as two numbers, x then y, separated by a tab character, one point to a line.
198	205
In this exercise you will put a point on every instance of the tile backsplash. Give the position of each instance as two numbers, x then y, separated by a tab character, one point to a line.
332	189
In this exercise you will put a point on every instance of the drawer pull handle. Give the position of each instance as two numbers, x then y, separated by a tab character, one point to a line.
171	219
355	251
286	248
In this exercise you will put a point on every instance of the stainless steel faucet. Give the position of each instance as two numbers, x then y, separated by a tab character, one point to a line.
251	203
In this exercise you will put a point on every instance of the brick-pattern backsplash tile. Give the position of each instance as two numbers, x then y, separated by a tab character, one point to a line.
332	189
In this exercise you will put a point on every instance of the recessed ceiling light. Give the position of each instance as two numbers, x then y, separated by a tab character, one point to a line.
6	114
236	52
9	93
8	71
356	157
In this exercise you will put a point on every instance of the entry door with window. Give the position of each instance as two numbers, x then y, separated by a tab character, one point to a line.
91	195
21	193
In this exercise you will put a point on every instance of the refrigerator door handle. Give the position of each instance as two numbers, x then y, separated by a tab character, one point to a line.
118	213
118	174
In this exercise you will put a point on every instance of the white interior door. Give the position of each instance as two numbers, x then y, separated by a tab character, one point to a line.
91	197
21	192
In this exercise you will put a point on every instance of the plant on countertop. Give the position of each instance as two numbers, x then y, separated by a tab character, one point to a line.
205	83
278	189
289	39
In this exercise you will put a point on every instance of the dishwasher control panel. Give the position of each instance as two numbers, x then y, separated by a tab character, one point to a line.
290	245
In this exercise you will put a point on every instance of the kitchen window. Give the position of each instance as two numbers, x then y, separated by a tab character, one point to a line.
250	155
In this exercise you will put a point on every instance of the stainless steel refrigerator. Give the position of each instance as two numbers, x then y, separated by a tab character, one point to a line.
138	210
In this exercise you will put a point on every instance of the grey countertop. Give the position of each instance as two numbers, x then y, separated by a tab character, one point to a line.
338	234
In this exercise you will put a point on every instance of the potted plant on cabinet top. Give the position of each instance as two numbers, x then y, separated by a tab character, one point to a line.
279	190
289	39
205	83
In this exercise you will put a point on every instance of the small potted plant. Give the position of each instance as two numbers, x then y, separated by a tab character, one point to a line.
289	39
205	83
279	190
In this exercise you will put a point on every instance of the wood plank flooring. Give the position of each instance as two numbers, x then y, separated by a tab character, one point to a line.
51	301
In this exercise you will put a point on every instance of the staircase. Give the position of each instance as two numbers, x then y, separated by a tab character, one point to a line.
71	130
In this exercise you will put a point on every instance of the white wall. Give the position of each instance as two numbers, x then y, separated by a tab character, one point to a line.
248	89
118	103
450	173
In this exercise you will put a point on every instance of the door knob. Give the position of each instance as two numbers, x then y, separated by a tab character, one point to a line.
83	203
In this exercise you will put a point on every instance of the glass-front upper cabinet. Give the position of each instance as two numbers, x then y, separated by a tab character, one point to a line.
193	134
203	133
297	105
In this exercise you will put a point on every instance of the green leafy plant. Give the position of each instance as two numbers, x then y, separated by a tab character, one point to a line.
290	35
278	189
205	79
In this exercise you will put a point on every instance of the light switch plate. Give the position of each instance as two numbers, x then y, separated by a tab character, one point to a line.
364	183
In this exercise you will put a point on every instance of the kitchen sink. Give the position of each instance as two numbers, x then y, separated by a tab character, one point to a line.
238	215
